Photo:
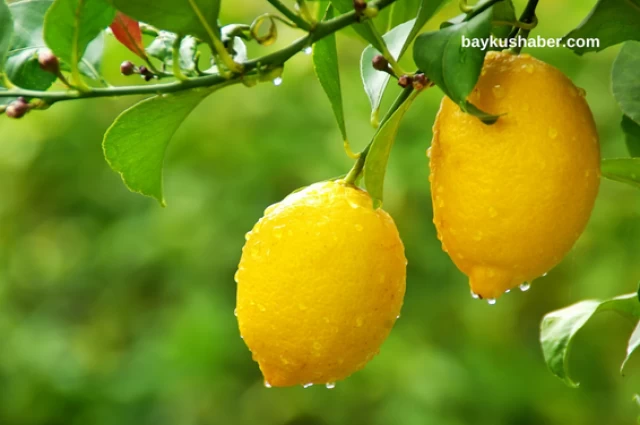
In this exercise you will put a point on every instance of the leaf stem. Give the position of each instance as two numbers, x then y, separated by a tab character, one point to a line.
385	51
293	17
357	168
528	16
253	67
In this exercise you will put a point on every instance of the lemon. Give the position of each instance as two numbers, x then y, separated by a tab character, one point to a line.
511	199
320	284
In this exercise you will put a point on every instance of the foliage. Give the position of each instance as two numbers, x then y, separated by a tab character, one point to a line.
69	296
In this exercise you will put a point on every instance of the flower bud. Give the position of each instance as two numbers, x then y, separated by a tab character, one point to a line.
380	63
17	109
420	82
359	6
48	62
127	68
405	81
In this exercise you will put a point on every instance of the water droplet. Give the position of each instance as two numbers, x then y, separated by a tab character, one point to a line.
491	301
247	236
330	385
440	202
582	92
498	91
553	133
358	227
474	295
507	291
528	67
397	317
277	81
241	336
429	153
236	276
525	286
544	274
307	385
261	307
317	345
267	384
307	50
235	312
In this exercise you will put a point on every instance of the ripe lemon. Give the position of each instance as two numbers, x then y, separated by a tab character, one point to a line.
320	285
510	199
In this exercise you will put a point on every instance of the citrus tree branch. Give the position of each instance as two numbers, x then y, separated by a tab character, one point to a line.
258	68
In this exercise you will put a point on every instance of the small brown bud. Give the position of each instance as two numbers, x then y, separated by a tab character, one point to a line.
127	68
48	62
359	6
405	81
17	109
380	63
148	76
143	70
420	82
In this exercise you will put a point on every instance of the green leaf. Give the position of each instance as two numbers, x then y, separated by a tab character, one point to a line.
559	327
503	11
363	29
625	170
427	9
450	66
6	31
21	65
632	135
325	64
92	59
634	342
375	166
375	81
185	17
162	48
625	81
136	143
404	10
611	22
70	25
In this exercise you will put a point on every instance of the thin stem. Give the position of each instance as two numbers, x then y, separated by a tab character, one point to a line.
253	67
357	168
528	16
385	51
294	17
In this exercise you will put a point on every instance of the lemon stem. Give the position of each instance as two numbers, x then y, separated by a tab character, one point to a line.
357	168
528	17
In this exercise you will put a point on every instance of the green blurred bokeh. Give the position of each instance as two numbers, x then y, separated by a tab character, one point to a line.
115	311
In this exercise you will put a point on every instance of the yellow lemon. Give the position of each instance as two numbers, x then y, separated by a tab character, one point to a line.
511	199
320	285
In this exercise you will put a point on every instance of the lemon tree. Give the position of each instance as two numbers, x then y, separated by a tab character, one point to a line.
515	160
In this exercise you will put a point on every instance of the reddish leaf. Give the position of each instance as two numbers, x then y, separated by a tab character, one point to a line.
127	31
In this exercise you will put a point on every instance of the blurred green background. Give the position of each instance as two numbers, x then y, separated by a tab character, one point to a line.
115	311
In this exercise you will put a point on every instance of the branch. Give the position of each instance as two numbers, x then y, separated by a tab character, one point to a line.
254	68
